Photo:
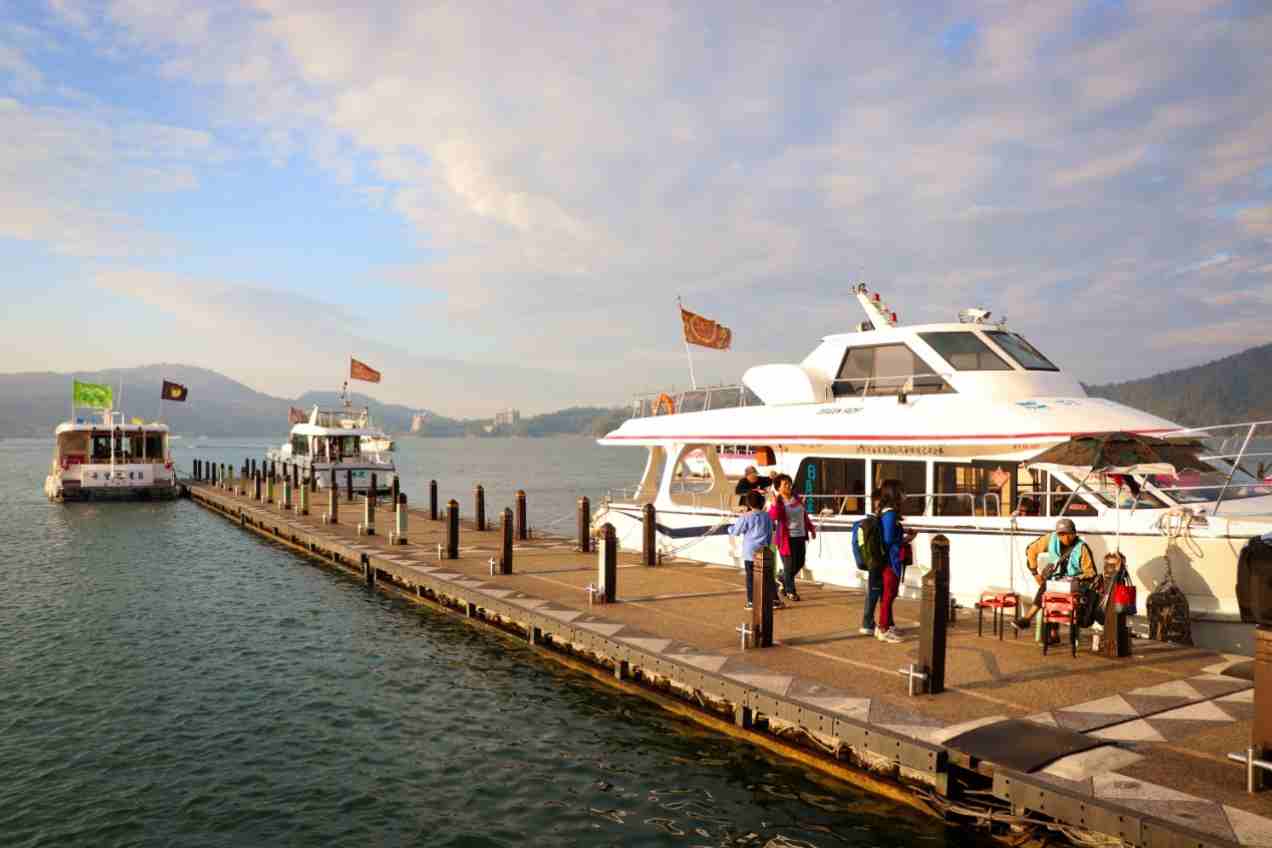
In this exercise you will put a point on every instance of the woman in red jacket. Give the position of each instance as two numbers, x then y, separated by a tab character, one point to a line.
792	528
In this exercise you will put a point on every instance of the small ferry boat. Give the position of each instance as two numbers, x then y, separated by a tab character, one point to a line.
379	442
955	411
338	439
106	457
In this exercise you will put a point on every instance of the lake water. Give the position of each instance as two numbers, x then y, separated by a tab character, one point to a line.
166	678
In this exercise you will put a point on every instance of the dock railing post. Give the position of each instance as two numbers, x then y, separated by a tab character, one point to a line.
763	596
432	500
395	489
523	530
269	487
285	504
367	527
505	556
585	524
333	500
1115	642
349	485
649	538
1261	728
452	529
607	564
934	611
479	507
256	486
398	536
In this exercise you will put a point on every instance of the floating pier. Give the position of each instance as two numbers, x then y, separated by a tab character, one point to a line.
1132	749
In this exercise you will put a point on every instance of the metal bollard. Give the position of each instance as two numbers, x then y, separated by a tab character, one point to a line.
585	525
256	486
607	564
764	595
432	500
395	489
349	485
479	507
286	503
505	557
649	538
934	610
522	529
302	502
398	536
373	496
452	529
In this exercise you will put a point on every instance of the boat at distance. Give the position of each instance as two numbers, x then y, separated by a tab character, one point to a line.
955	411
337	440
107	457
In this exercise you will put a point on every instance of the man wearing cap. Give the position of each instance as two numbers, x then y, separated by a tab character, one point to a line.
751	482
1070	557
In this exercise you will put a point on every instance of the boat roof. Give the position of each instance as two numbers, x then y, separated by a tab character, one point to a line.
103	427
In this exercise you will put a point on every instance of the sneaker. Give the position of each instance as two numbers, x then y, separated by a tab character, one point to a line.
866	631
890	636
792	596
777	604
749	605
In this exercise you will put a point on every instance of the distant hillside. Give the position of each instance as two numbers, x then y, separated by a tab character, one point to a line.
1233	389
33	403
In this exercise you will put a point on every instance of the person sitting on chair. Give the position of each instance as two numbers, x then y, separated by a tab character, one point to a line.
1070	557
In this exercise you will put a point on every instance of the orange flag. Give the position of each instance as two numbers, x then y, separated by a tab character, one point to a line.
296	416
705	332
362	371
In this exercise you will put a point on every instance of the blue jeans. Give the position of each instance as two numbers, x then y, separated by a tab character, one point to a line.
874	591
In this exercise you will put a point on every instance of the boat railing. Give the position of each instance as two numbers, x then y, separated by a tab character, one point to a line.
693	400
1231	445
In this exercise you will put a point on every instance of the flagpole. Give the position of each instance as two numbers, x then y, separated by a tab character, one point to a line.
693	381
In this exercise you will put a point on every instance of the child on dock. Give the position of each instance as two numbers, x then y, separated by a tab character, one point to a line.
756	529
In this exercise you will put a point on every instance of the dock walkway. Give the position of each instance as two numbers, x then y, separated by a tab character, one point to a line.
1154	728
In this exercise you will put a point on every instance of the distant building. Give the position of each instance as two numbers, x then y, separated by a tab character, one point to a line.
419	423
507	419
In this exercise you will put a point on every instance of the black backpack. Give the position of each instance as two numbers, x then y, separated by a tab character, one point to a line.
867	544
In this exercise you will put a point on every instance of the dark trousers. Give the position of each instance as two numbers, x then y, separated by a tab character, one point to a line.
749	565
874	591
793	564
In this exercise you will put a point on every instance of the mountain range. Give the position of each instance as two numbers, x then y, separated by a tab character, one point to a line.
1235	388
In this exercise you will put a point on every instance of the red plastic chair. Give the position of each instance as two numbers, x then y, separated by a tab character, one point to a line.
999	601
1060	608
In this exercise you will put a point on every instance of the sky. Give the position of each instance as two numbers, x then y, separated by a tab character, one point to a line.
517	194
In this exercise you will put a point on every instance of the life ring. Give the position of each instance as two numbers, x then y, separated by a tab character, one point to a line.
664	398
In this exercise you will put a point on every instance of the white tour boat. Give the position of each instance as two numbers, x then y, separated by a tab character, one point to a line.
338	439
105	457
955	411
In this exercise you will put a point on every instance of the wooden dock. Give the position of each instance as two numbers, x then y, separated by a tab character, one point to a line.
1153	730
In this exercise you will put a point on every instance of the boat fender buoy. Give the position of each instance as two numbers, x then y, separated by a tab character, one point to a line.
664	399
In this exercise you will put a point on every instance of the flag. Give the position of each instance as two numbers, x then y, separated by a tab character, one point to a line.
95	395
136	420
704	331
362	371
174	391
296	416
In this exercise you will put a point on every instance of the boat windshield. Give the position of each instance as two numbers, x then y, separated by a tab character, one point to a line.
964	351
1022	351
1191	486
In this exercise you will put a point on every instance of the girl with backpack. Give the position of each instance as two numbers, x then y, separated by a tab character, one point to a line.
891	497
792	528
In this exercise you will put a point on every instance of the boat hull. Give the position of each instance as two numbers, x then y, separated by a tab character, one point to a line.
59	491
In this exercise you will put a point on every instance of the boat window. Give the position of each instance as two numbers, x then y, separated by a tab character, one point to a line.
135	445
300	445
913	477
1060	494
154	446
832	483
692	473
964	351
724	397
1191	486
1031	491
1022	351
964	489
884	370
101	447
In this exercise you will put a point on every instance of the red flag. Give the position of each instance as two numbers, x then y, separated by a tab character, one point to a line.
362	371
705	332
296	416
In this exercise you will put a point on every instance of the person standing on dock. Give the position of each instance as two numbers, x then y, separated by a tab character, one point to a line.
792	529
895	543
756	529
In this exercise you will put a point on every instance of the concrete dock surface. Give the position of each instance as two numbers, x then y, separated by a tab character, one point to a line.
1159	724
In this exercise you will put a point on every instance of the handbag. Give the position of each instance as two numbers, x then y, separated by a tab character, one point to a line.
1124	596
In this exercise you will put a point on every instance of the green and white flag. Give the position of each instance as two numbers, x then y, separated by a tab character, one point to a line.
95	395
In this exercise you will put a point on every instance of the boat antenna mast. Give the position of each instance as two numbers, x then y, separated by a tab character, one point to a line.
878	315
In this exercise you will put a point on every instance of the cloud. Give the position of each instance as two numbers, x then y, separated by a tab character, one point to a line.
1257	220
1210	262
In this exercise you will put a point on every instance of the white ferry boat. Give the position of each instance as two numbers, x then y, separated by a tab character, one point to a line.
338	439
105	457
379	442
955	411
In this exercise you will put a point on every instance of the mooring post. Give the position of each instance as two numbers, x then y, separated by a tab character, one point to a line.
302	502
1115	642
313	480
195	469
585	524
523	530
367	527
432	500
269	489
398	536
256	486
452	529
1261	728
934	611
607	564
369	569
373	496
295	475
505	555
395	489
285	504
649	538
349	485
479	507
333	500
763	596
